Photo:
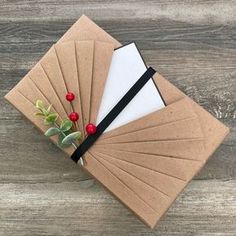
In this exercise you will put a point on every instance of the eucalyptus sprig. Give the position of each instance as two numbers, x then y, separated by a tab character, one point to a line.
66	137
48	117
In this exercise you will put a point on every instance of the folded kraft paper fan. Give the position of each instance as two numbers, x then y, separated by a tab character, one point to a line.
143	153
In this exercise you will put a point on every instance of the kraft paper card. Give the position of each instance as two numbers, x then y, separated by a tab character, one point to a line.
146	161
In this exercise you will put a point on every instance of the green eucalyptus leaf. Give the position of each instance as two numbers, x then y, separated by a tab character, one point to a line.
66	125
61	136
44	111
49	109
39	104
38	114
71	137
47	122
52	131
51	118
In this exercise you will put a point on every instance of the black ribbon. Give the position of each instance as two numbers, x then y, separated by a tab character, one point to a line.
124	101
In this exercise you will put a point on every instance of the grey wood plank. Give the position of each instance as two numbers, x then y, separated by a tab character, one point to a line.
27	155
205	208
219	11
149	31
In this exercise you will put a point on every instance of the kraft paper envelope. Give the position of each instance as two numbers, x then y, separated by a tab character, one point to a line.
145	163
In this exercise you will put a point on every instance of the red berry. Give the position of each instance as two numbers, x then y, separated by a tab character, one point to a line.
70	97
91	128
74	116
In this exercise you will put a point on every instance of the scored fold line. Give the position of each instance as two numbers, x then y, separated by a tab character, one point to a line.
115	111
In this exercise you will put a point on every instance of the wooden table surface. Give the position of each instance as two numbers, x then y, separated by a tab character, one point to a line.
191	43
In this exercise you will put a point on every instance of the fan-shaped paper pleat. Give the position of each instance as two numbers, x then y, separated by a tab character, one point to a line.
51	67
70	67
155	198
29	90
62	67
67	60
151	178
180	110
85	54
155	155
38	76
22	98
186	149
59	72
182	169
121	190
102	59
170	131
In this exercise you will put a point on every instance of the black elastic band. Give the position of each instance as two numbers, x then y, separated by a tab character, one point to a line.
91	139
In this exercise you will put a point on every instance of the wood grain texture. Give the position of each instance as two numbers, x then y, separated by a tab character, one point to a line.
191	43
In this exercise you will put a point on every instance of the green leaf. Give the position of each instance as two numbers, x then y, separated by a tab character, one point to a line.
47	122
52	131
44	111
66	125
59	142
49	109
50	119
39	104
71	137
38	114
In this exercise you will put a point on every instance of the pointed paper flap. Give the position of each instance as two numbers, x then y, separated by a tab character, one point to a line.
178	111
85	58
41	81
51	67
121	190
66	55
102	59
24	104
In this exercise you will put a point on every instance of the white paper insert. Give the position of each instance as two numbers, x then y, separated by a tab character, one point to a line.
127	66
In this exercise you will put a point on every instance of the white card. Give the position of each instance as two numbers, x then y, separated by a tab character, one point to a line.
127	66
